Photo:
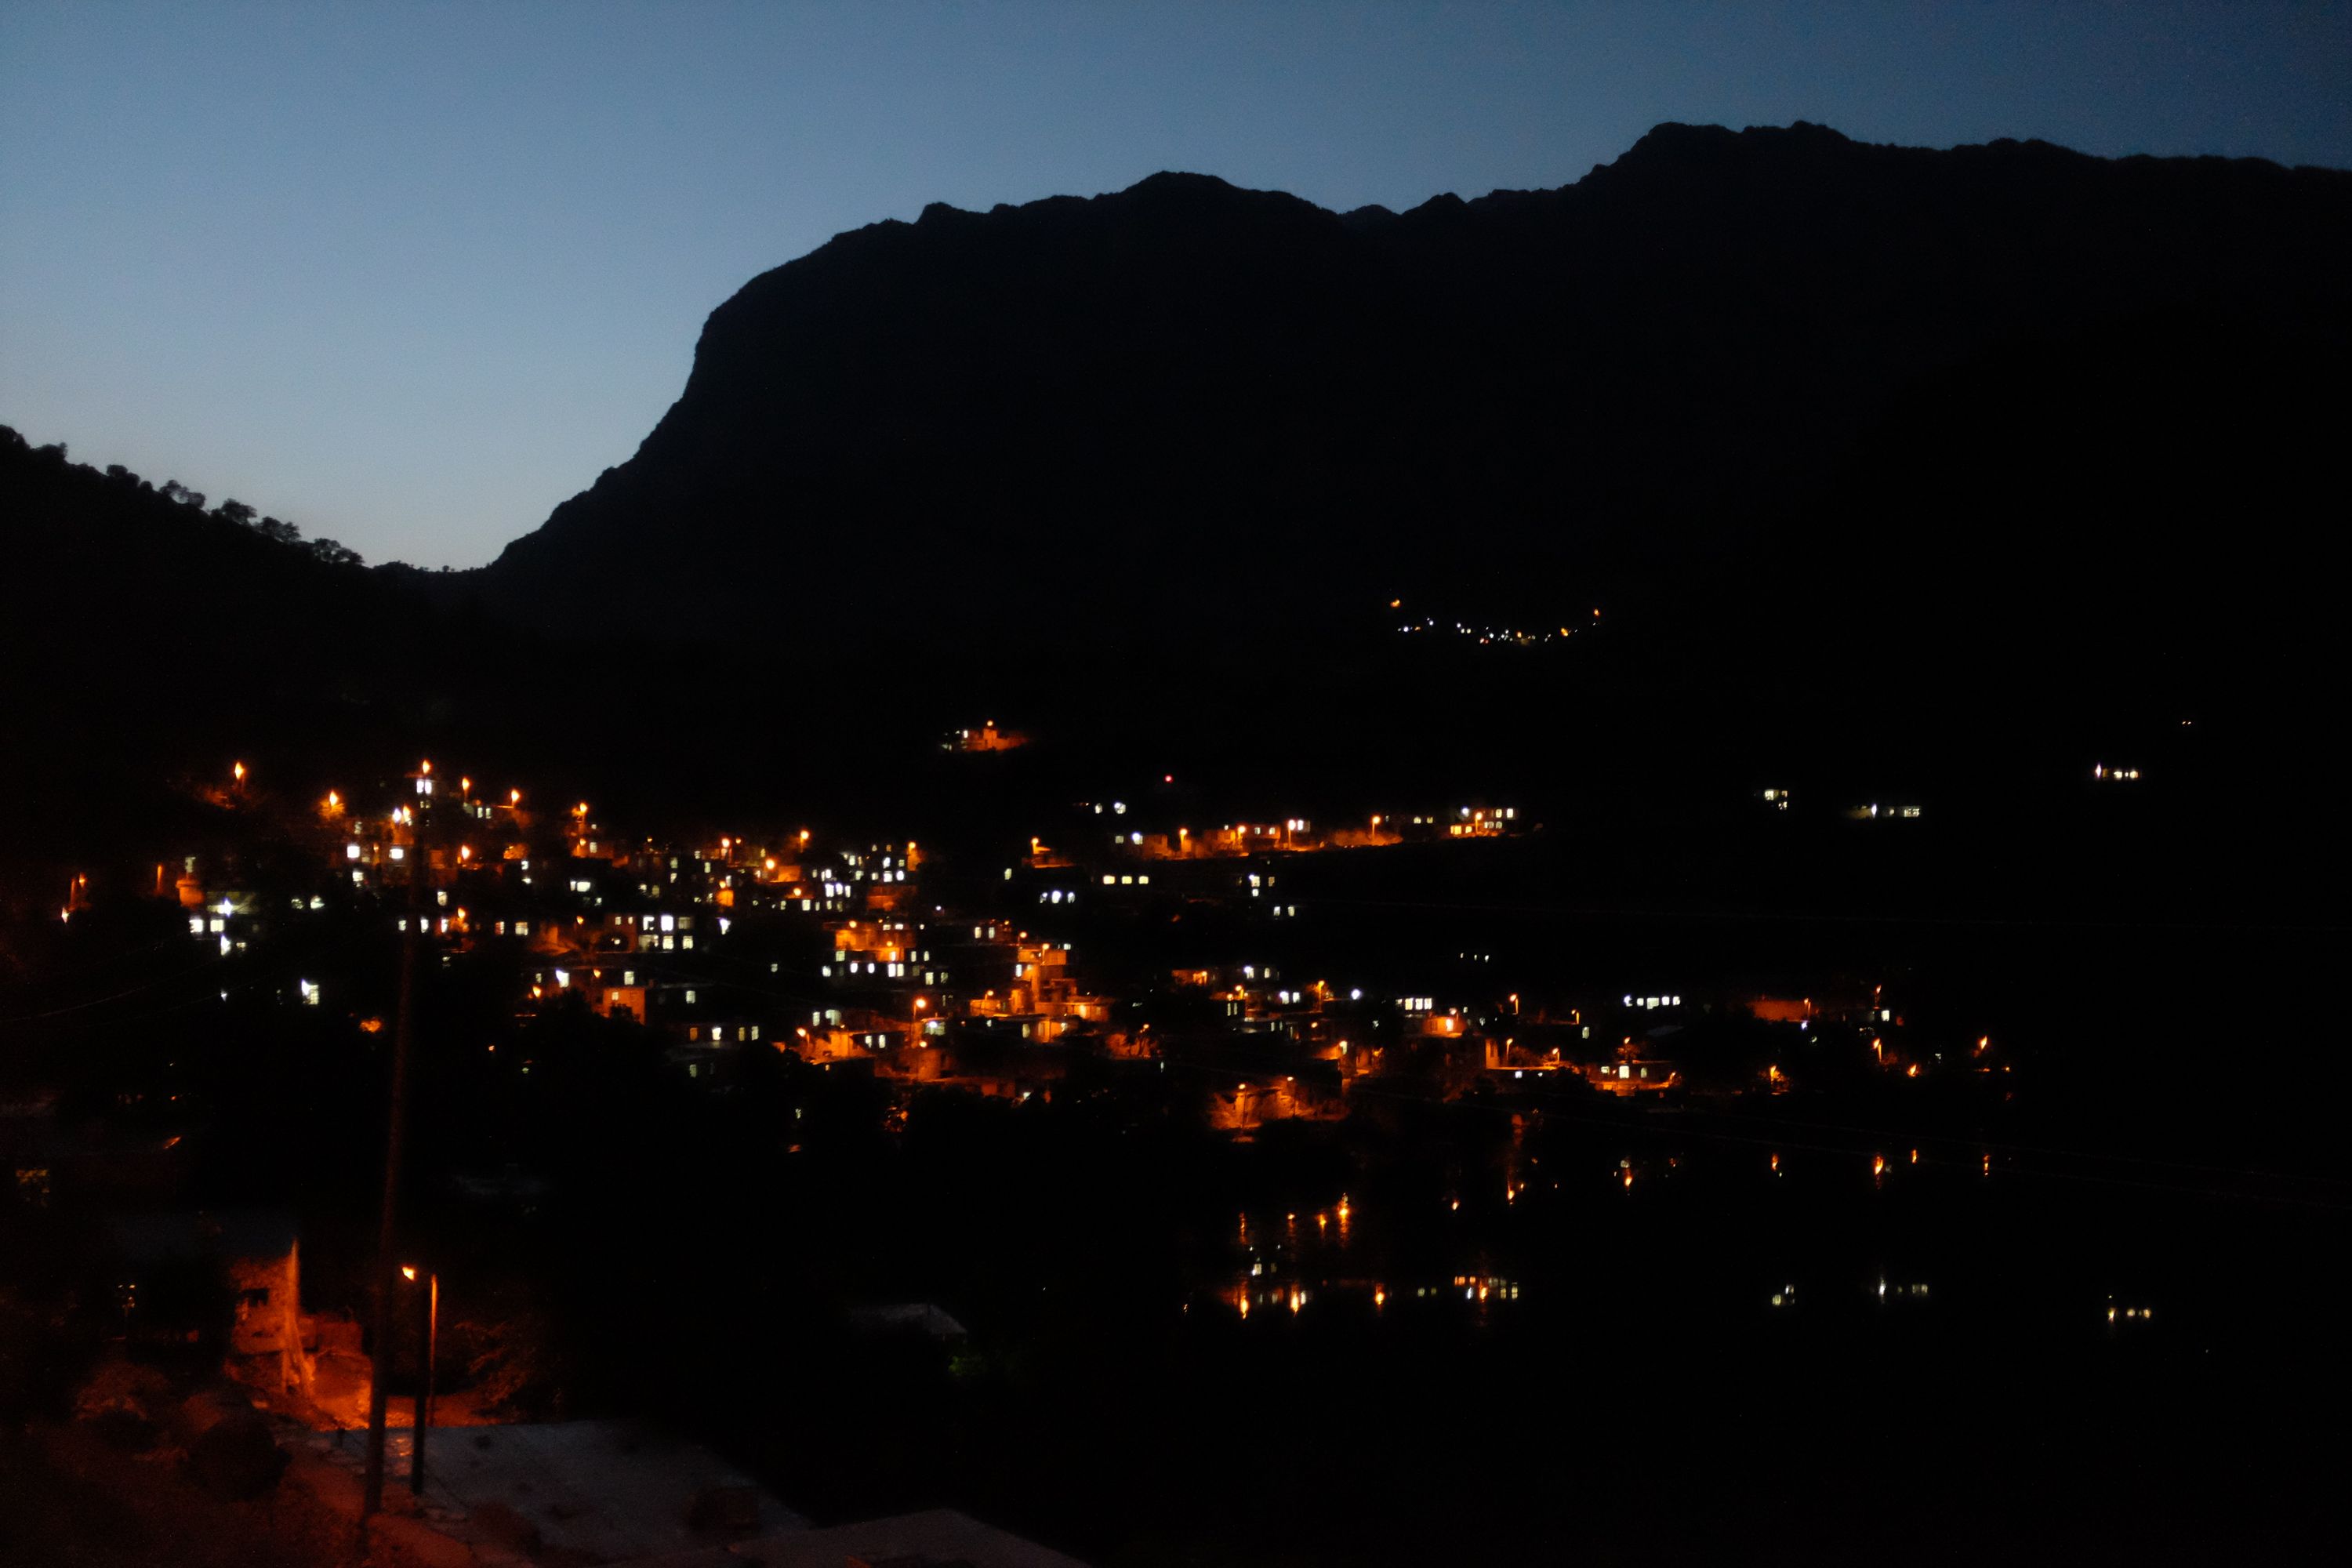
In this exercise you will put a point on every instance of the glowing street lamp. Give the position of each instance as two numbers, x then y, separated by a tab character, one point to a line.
424	1422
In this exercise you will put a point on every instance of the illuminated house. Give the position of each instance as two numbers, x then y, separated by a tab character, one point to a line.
1781	1009
667	932
877	953
1313	1094
1632	1078
1482	822
226	920
987	738
172	1268
1555	1049
1633	1073
849	1034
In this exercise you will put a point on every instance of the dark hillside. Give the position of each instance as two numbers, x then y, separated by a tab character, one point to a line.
1890	468
149	640
1184	405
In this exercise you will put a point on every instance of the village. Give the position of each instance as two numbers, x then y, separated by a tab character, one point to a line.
1185	970
844	954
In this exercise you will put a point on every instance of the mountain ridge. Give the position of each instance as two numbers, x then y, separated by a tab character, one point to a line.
1847	440
1185	320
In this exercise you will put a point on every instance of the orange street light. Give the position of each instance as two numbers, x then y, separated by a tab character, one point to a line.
422	1424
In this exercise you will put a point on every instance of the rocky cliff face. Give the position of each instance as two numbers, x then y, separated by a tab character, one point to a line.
1187	403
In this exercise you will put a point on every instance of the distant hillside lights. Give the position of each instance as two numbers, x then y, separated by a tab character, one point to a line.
2101	773
1486	635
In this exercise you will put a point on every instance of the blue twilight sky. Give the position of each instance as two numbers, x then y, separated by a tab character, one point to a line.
411	274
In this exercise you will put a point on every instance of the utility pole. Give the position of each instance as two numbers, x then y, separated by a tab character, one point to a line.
386	1270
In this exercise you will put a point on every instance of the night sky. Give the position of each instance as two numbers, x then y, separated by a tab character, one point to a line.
410	276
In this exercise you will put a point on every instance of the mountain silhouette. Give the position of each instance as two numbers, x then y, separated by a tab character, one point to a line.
1183	408
1884	464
